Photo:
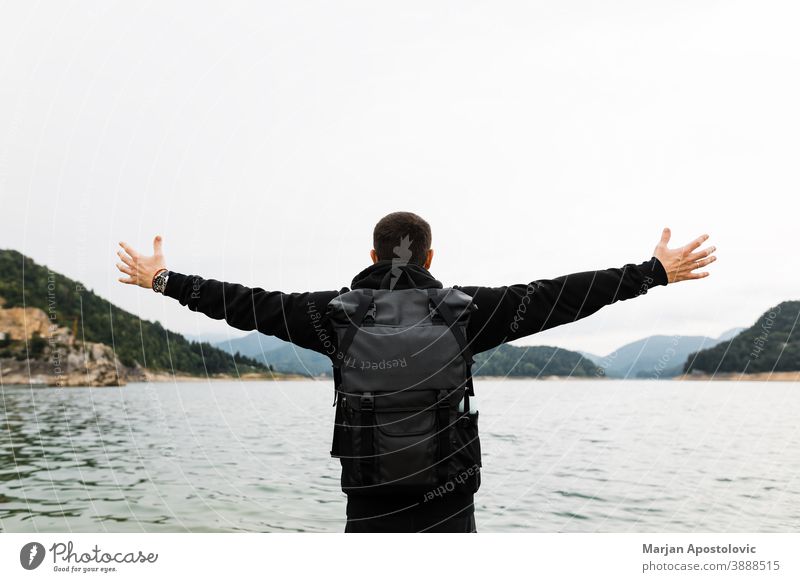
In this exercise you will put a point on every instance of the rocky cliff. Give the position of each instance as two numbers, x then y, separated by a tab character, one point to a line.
33	350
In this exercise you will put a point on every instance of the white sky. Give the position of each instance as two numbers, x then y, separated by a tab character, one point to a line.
264	140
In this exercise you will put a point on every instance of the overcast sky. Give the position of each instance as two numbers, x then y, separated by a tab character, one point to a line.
264	140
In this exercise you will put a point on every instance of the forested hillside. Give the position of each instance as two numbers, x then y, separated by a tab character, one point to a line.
93	319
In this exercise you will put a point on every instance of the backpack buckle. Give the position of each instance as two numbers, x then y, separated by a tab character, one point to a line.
367	402
432	311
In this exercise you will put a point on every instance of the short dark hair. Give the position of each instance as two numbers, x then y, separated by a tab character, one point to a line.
402	235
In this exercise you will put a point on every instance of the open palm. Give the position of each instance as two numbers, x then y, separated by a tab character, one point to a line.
682	262
141	269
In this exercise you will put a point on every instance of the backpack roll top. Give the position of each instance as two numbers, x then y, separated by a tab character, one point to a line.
401	371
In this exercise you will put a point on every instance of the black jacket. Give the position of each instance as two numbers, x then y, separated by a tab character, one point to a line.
504	314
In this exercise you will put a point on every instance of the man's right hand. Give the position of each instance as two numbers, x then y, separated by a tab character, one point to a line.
140	269
681	263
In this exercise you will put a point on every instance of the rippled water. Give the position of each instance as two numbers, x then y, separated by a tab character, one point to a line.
253	456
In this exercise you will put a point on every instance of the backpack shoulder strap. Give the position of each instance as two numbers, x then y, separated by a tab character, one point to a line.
364	302
444	310
466	352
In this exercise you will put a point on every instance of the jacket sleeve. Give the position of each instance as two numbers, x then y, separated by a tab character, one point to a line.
508	313
293	317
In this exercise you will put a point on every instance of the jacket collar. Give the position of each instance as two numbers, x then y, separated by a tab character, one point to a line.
386	275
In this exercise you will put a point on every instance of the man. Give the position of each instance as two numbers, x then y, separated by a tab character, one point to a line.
401	257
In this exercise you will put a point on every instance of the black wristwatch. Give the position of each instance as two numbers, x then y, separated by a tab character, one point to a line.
160	281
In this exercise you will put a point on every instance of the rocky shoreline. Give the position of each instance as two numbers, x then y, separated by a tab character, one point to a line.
35	352
755	377
78	381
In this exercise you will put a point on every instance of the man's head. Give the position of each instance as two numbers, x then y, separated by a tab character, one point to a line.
403	236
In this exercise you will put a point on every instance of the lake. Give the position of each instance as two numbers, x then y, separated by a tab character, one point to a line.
559	456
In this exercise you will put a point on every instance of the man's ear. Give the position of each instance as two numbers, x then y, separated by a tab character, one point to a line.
429	259
374	256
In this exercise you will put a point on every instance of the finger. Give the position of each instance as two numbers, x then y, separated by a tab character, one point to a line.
125	269
129	249
157	242
701	254
695	243
703	263
687	269
665	236
126	259
126	280
700	275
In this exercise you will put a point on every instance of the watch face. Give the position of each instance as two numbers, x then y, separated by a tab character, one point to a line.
160	282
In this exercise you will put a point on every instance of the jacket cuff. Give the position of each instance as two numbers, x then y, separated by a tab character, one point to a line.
653	269
174	285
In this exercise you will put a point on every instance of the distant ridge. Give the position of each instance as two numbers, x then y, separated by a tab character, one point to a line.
282	356
771	344
656	356
505	360
533	361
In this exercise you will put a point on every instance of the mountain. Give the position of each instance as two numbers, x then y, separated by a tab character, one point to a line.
657	356
213	338
730	334
78	316
282	356
594	358
532	361
253	345
771	344
505	360
291	359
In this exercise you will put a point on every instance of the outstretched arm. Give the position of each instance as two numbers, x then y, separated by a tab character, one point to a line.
293	317
508	313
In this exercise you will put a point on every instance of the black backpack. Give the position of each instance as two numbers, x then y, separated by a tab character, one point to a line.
402	374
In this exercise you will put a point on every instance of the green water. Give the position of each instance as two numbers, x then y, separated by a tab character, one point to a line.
253	456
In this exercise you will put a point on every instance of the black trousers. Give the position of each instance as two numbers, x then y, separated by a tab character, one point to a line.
413	521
